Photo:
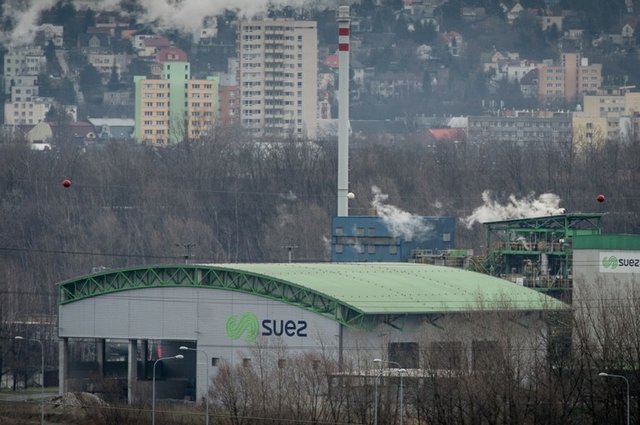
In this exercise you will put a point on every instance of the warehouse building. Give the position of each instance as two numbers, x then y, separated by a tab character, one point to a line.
395	311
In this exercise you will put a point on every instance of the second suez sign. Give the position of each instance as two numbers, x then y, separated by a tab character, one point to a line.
248	326
619	262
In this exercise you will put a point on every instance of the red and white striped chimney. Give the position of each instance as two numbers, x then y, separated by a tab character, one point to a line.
344	21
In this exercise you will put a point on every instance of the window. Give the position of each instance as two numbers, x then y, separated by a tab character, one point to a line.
446	237
393	249
339	231
371	249
446	355
486	355
404	353
360	231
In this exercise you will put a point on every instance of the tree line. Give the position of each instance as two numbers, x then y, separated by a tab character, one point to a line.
233	199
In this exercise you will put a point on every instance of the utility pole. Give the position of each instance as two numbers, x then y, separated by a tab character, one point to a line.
290	249
187	247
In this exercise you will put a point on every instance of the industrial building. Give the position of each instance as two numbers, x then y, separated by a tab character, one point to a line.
374	238
404	312
605	275
537	252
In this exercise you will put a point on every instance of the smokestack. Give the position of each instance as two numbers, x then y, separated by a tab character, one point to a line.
344	20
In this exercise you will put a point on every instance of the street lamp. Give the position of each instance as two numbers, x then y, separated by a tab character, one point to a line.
206	398
375	396
41	371
401	372
153	385
608	375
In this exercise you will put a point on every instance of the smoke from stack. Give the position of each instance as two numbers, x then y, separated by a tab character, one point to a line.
182	15
527	207
399	223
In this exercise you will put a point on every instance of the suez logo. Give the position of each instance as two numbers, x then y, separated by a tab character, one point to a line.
618	262
249	326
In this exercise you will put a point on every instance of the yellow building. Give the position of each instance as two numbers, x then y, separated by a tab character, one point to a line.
175	107
606	117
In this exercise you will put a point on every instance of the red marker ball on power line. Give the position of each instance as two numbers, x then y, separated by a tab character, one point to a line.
66	182
600	198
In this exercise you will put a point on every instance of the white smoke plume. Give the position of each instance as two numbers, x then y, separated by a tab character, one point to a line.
527	207
399	222
182	15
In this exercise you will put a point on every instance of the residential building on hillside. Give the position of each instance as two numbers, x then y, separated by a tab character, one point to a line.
19	62
24	88
393	84
106	63
32	111
112	128
277	77
175	106
569	80
521	126
228	99
607	117
49	33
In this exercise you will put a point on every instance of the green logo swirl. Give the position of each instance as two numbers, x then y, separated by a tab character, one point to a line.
610	262
248	323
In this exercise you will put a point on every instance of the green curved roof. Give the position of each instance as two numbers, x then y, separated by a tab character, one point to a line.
344	291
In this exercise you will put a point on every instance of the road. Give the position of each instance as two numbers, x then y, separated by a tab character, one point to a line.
62	60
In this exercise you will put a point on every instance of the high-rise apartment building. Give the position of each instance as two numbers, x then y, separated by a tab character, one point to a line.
174	107
277	77
570	79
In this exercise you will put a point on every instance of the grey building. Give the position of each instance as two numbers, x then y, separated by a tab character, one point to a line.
523	127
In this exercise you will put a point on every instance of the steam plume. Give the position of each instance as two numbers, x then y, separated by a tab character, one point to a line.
399	222
182	15
529	206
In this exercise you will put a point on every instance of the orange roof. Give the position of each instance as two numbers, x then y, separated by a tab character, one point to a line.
331	61
447	133
167	54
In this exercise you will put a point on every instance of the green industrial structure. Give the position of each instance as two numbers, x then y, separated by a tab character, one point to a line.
345	292
537	252
404	312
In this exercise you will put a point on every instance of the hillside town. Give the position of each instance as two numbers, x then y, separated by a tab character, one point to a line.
520	71
170	244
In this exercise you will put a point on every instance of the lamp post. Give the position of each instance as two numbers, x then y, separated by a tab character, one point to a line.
153	385
608	375
375	394
401	372
206	398
41	371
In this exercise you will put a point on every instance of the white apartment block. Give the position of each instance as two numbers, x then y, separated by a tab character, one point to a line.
104	63
23	88
277	77
22	62
27	112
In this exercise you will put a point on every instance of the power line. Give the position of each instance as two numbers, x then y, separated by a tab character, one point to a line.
87	253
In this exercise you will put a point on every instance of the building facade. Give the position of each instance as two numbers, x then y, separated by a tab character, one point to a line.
175	106
20	63
352	313
520	127
568	80
607	117
31	111
277	77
